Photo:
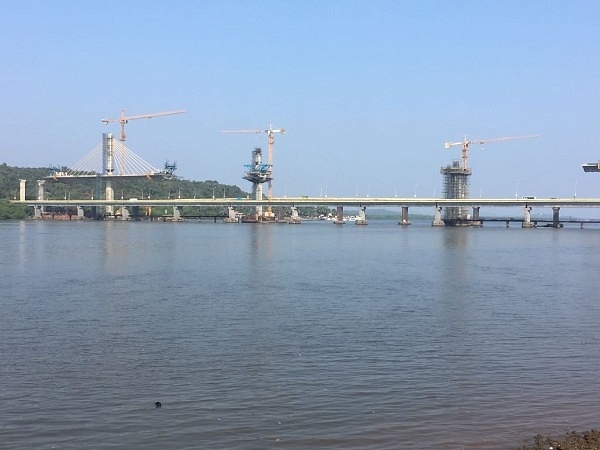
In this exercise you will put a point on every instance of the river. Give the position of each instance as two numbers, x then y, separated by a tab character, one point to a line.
295	336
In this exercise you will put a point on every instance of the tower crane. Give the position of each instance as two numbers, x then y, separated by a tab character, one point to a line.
271	141
465	144
124	119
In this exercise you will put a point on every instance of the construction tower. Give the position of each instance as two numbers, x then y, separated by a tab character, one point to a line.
258	173
456	180
456	185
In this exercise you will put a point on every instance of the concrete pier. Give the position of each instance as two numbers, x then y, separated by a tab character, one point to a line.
362	217
231	217
176	214
527	223
108	162
404	220
294	217
437	218
22	190
39	209
475	217
555	217
339	216
41	190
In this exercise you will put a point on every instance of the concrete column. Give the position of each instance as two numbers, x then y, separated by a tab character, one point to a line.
22	190
37	211
258	196
109	195
125	213
176	214
404	220
41	194
108	168
555	217
231	212
41	189
339	216
294	217
362	217
231	217
474	220
527	223
80	212
437	218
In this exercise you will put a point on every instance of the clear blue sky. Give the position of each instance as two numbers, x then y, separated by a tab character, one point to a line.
368	91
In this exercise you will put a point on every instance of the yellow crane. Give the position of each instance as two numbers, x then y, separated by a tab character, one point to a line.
271	141
124	119
465	144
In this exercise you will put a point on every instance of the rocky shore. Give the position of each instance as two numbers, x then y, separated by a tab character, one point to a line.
589	440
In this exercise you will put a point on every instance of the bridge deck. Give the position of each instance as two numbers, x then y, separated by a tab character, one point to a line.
339	201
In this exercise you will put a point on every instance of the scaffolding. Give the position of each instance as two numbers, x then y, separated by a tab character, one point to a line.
456	186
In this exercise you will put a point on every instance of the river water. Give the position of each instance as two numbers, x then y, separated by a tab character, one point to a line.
295	336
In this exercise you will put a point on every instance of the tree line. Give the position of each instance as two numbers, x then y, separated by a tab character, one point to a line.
93	188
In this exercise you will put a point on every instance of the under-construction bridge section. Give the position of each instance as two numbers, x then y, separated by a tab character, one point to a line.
111	158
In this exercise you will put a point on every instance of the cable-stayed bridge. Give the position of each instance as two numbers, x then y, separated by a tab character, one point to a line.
112	158
107	162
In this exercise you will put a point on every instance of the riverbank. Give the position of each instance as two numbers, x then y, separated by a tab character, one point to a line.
588	440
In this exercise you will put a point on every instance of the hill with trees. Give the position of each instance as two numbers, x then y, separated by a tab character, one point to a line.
90	188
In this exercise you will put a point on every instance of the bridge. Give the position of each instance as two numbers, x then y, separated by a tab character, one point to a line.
330	201
113	160
362	203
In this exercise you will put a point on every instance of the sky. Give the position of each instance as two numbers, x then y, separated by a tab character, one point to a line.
368	91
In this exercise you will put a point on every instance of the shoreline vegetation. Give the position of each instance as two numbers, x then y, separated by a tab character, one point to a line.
92	188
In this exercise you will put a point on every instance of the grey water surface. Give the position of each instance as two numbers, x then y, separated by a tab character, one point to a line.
295	336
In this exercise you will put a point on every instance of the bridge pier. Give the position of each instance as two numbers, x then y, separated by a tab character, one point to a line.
108	156
555	217
80	214
404	220
475	217
362	216
22	190
294	217
125	213
437	218
231	217
41	195
176	214
109	195
38	211
527	223
339	216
